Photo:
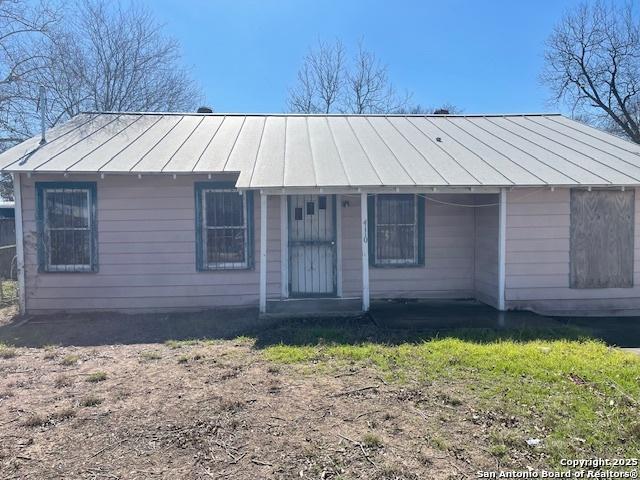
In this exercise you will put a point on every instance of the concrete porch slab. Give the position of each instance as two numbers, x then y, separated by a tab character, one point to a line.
450	314
316	307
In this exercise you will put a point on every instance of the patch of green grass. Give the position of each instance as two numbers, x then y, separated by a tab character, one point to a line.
9	292
90	401
175	344
438	442
7	352
371	440
69	360
244	340
574	389
183	359
181	343
50	351
150	355
447	399
499	450
97	377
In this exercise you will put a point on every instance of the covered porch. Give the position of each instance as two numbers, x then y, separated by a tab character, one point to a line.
324	251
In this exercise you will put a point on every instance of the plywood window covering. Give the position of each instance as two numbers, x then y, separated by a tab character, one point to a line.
602	230
223	228
66	226
397	230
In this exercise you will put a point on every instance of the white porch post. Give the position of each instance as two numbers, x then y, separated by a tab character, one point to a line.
338	233
22	294
284	247
364	215
263	252
502	250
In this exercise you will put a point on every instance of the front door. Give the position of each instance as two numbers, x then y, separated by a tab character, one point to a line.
312	245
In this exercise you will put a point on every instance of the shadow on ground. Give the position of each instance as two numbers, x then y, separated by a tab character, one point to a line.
389	323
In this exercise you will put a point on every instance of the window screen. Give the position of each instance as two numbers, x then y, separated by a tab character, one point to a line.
224	229
396	230
602	224
66	227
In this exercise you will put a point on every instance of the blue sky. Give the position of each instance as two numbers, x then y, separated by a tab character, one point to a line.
483	56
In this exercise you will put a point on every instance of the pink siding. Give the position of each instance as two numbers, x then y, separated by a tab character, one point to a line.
537	261
351	246
486	249
146	235
449	256
146	240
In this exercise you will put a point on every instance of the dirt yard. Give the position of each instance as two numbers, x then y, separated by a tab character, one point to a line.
225	409
214	411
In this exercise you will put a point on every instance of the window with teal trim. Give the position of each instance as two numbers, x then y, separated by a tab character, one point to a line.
397	230
66	218
224	228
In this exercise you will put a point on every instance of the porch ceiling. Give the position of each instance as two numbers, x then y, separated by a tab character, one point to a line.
337	151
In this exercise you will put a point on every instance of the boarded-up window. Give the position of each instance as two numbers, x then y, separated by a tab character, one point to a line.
602	238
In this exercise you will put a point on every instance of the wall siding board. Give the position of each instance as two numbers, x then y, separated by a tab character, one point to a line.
449	256
147	252
152	268
538	259
486	220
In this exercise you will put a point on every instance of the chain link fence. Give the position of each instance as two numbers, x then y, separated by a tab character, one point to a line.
8	292
8	266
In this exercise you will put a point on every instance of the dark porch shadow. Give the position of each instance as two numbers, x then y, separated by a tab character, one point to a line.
388	323
110	328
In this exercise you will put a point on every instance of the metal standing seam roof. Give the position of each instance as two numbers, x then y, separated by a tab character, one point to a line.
295	150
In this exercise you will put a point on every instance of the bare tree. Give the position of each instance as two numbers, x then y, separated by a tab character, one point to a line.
593	64
444	108
114	57
21	25
327	82
320	79
368	89
104	56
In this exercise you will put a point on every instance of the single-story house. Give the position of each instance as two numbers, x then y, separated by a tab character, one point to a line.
164	211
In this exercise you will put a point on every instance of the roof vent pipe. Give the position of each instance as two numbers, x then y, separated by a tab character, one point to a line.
42	107
205	110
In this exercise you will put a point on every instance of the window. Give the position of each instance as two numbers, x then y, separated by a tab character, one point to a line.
66	217
224	234
396	230
601	238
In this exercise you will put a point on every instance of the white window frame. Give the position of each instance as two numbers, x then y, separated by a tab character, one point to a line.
205	238
67	267
396	261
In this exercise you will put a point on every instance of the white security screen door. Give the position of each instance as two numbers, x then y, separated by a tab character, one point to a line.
312	245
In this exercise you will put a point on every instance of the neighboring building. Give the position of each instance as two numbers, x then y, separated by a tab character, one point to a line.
7	210
143	212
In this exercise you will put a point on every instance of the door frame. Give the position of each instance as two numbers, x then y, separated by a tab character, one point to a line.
337	250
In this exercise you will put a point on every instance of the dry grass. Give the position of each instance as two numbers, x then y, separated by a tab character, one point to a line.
7	352
330	409
97	377
90	401
70	359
